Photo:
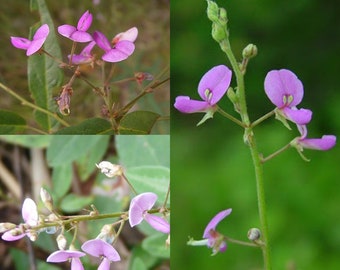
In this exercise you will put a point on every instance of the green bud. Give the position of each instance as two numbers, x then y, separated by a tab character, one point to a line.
46	199
254	234
223	18
212	11
218	32
249	51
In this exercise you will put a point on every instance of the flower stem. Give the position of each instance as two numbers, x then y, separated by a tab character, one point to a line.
276	153
262	118
230	117
249	139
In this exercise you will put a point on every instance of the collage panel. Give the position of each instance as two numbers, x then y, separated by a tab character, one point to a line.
249	192
84	202
88	67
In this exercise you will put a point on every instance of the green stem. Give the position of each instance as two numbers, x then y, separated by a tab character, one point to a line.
276	153
249	138
262	118
33	106
230	117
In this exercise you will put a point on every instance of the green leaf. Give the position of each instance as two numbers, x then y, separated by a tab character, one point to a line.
73	203
138	253
61	179
86	164
138	264
143	150
67	148
44	74
138	122
31	141
89	126
150	179
11	123
155	245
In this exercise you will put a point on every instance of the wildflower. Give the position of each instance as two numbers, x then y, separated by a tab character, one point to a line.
109	169
123	45
285	90
211	88
99	248
30	216
85	56
324	143
34	45
66	255
78	34
212	238
139	207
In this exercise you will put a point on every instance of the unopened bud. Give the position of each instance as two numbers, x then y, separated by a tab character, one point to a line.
107	234
249	51
33	236
219	32
46	199
61	241
109	169
212	11
6	226
223	18
254	234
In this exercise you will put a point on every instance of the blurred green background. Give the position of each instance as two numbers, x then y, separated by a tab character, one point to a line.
211	167
152	54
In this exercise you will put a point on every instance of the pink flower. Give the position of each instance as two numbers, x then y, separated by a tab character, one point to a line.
30	216
34	45
285	90
65	255
215	239
324	143
99	248
139	207
122	48
211	88
78	34
85	56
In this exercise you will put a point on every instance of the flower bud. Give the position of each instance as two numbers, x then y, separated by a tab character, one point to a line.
254	234
109	169
223	18
218	32
46	199
249	51
61	241
107	233
32	235
212	11
6	226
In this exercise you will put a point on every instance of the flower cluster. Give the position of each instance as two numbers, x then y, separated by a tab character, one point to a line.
285	90
141	208
121	47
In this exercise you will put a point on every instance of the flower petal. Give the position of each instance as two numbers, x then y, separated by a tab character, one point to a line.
7	236
80	36
85	21
121	51
66	30
214	222
281	84
42	32
64	255
30	212
76	264
20	43
138	205
186	105
325	143
101	41
129	35
35	46
98	248
298	116
158	223
104	265
217	80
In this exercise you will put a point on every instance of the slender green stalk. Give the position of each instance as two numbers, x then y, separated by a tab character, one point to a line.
31	105
230	117
276	153
249	138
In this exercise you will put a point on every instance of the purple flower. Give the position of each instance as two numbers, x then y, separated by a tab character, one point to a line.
139	207
122	48
30	216
65	255
213	85
215	239
324	143
34	45
78	33
99	248
85	56
285	90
